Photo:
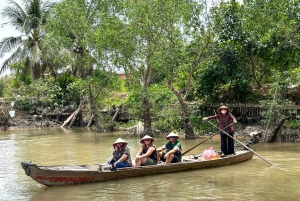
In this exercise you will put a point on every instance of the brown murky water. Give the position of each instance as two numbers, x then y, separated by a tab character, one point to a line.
250	180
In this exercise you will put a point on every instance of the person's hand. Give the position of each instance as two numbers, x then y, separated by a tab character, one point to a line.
205	119
235	122
109	161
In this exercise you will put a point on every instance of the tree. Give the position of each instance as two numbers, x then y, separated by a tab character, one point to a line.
71	30
184	45
28	47
132	36
151	44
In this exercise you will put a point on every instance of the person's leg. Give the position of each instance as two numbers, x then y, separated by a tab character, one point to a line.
223	143
162	157
111	165
143	161
169	158
230	144
121	165
159	155
175	159
112	168
137	163
148	161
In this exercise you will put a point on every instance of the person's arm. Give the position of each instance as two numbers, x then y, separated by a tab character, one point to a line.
233	118
110	159
123	158
210	117
161	148
173	151
139	153
148	153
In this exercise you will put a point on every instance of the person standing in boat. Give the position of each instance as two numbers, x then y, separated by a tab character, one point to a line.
173	150
147	153
121	155
225	119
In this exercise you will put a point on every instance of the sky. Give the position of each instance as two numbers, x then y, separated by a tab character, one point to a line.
6	30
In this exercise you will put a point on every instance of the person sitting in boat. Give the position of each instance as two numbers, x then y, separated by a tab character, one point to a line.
121	155
173	150
147	153
226	119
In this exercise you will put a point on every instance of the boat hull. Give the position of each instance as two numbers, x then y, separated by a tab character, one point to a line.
69	175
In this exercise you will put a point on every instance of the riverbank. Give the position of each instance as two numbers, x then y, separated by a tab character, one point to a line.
22	119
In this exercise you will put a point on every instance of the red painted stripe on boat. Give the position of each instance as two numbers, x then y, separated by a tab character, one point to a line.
64	179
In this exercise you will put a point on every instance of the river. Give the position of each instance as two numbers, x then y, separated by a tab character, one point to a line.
251	180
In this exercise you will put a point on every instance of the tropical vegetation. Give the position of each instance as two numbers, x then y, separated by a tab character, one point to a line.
173	53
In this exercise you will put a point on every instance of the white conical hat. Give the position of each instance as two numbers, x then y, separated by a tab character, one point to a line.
146	137
120	141
172	135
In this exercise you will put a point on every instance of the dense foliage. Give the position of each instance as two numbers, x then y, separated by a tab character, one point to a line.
172	52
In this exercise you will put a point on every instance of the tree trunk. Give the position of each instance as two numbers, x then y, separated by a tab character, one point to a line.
90	121
4	115
253	71
68	119
92	106
276	130
188	128
145	101
73	116
36	71
146	117
78	111
116	113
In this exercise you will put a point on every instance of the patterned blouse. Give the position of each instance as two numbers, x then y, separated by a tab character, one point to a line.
224	120
118	154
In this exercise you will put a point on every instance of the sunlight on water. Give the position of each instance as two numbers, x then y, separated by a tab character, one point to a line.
250	180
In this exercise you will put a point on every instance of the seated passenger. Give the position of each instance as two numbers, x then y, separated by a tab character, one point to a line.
173	147
121	155
147	153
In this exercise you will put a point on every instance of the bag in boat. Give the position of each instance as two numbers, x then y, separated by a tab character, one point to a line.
209	153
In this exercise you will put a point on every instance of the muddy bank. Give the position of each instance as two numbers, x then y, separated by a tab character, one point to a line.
255	133
24	120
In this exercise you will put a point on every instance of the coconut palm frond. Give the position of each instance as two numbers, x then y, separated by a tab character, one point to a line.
8	44
15	14
29	21
24	53
33	7
34	11
13	58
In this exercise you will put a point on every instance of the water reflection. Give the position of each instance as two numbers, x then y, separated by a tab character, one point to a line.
250	180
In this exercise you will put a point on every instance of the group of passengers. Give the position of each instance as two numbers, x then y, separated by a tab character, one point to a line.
148	153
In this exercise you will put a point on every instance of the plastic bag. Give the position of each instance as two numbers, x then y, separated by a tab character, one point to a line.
209	153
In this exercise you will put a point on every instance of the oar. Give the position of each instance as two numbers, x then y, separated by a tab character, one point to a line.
205	139
243	145
218	122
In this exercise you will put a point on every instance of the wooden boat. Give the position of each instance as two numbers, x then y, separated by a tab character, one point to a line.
79	174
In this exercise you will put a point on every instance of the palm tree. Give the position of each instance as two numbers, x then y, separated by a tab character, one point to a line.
26	48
